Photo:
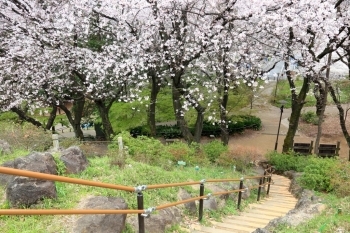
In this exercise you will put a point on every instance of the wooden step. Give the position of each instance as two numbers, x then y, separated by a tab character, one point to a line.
279	202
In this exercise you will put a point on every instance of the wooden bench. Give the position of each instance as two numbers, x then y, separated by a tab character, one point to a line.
169	140
329	150
303	148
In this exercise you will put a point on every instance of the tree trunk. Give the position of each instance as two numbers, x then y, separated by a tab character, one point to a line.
52	117
225	136
179	115
297	104
75	122
323	103
155	88
341	113
199	124
223	91
103	110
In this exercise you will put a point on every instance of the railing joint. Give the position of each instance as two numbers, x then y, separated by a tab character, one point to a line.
140	188
208	196
148	211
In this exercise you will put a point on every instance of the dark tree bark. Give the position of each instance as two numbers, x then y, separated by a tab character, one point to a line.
321	102
179	115
77	110
23	116
341	112
155	88
103	108
223	91
298	101
52	117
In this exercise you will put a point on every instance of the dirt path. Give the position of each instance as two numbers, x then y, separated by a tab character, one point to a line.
265	139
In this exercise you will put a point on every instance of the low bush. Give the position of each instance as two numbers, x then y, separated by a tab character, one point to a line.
214	149
236	124
317	175
241	157
287	162
310	117
340	178
26	136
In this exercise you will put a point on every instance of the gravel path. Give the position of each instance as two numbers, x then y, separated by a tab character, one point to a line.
265	139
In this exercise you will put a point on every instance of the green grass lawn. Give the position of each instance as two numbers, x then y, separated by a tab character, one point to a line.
283	93
100	169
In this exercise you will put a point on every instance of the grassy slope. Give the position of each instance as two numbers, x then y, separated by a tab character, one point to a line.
133	174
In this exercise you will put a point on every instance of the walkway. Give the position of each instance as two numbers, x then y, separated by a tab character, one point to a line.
256	215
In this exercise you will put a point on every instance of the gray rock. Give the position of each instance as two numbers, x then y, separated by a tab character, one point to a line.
261	230
102	223
37	162
190	206
24	191
210	203
5	148
306	208
74	160
157	223
294	187
245	194
4	179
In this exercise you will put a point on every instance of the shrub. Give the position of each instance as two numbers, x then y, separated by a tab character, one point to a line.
26	136
191	154
241	157
144	149
287	162
316	174
68	142
310	117
340	178
214	149
236	124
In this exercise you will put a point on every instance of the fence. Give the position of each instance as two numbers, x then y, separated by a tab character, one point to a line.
142	213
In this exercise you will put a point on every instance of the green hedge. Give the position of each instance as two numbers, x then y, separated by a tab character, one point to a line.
237	124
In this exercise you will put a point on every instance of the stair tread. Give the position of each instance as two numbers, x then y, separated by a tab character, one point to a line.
278	203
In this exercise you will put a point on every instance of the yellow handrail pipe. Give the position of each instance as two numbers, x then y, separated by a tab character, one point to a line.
44	176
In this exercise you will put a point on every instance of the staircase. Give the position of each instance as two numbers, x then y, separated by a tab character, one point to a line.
256	215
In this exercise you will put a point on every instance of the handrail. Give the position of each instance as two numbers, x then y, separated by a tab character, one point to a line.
44	176
264	180
65	212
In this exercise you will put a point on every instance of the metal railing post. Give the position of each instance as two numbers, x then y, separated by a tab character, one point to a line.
141	219
201	201
259	189
268	186
240	194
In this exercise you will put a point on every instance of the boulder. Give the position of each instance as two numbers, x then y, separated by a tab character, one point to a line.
5	148
261	230
210	203
245	194
4	179
306	208
190	206
37	162
74	160
25	191
102	223
157	223
294	187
